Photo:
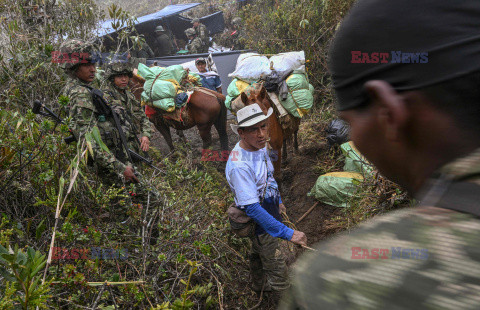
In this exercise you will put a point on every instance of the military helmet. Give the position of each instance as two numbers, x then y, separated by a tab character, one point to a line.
75	46
190	32
237	21
118	68
195	20
159	29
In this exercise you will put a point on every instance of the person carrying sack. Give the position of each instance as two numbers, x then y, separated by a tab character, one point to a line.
249	173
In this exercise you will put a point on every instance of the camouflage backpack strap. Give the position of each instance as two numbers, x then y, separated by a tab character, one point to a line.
462	197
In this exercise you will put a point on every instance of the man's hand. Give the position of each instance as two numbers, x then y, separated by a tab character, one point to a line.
283	209
299	238
129	175
144	144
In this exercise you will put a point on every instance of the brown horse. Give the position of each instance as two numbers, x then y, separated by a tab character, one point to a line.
278	136
204	109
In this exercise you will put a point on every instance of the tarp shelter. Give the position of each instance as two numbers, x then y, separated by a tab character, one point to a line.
149	21
224	61
170	19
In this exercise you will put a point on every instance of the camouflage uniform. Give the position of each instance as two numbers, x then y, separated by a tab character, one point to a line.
163	45
441	272
132	106
196	46
144	52
237	34
202	33
86	119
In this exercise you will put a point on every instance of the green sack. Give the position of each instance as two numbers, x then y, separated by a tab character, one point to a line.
336	188
234	90
175	72
161	94
354	160
167	104
299	100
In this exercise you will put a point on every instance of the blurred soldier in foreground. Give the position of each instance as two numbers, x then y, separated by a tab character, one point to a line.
195	45
163	44
412	97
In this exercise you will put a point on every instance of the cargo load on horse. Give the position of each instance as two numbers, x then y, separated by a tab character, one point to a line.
174	98
283	74
279	81
167	88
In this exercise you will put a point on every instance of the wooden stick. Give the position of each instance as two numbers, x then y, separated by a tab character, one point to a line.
309	248
308	212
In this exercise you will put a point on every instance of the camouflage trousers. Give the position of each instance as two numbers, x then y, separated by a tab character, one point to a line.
267	263
140	199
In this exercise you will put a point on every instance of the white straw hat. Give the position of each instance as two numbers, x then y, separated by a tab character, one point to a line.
249	116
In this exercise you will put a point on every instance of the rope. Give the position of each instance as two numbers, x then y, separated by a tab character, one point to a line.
151	88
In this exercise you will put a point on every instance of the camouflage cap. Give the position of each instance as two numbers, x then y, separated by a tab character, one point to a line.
74	52
195	20
159	28
190	32
118	68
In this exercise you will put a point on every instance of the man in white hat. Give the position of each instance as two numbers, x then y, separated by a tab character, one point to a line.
249	173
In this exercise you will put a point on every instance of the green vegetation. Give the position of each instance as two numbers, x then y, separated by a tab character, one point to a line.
49	190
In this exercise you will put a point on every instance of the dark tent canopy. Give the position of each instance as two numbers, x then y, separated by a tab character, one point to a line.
149	21
169	18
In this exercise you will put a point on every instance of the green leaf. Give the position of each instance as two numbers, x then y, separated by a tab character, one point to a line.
98	139
40	229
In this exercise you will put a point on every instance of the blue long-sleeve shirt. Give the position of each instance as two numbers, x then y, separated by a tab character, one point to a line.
250	176
271	225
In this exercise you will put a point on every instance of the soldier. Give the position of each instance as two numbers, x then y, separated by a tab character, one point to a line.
110	158
116	89
144	52
412	97
163	44
201	31
194	45
236	35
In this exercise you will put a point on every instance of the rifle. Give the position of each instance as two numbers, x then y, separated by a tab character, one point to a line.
37	109
104	108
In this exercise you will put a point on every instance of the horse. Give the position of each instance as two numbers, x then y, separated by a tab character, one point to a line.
204	109
277	135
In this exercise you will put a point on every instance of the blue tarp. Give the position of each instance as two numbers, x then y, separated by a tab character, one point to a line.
106	27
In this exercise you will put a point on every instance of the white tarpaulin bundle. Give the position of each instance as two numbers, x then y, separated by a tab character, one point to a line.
252	66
